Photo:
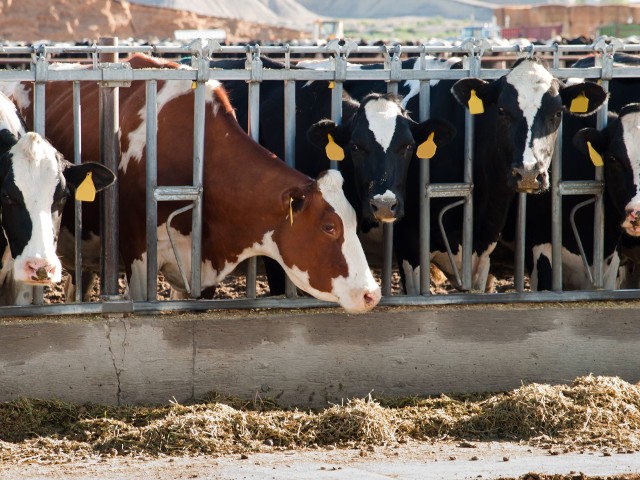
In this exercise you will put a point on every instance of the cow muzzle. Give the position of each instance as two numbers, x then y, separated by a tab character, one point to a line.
40	272
385	209
631	224
530	181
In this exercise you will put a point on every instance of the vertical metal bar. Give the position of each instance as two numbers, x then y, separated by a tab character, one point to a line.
290	149
39	127
598	225
198	165
336	109
467	213
425	200
152	183
77	159
387	232
521	228
556	215
254	131
109	153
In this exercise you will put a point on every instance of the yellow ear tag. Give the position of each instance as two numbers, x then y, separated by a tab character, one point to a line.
427	149
595	157
194	84
86	191
332	84
580	104
291	210
475	104
333	150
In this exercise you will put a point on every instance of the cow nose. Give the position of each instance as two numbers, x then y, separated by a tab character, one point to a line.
39	270
530	181
371	299
384	209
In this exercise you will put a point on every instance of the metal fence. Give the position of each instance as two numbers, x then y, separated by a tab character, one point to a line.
112	75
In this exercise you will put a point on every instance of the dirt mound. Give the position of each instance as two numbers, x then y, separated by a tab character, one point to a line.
73	20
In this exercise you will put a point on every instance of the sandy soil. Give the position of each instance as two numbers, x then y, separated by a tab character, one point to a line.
413	460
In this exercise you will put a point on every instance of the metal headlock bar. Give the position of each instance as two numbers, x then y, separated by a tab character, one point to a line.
113	74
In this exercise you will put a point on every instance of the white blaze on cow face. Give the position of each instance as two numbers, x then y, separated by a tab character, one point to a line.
349	291
169	91
36	174
531	82
381	115
631	136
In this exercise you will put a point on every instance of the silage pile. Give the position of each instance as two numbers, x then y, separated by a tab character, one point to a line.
593	412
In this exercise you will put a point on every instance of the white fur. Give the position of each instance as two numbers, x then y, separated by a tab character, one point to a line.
479	266
531	81
631	136
387	196
9	118
35	170
431	63
381	115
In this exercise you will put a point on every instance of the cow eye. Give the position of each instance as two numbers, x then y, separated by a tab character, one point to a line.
355	148
7	199
329	228
409	148
501	111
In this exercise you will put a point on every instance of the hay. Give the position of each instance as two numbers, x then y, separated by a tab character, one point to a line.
593	412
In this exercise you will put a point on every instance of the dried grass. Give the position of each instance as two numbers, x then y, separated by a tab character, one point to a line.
593	412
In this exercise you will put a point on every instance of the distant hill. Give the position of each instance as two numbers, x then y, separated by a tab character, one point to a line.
275	12
460	9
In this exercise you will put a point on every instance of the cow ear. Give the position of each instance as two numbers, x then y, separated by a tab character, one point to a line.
318	133
583	98
431	134
592	143
293	201
101	176
474	94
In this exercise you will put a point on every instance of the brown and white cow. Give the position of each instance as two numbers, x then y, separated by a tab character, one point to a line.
248	193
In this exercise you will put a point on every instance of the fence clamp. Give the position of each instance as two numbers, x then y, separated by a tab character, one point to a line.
254	64
392	62
341	52
607	47
41	65
201	51
116	74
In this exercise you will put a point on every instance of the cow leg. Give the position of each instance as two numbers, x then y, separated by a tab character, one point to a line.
410	277
69	286
275	276
612	264
541	276
137	279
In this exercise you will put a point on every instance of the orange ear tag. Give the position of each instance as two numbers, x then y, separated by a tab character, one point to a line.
595	157
333	150
427	149
475	104
291	210
580	104
86	191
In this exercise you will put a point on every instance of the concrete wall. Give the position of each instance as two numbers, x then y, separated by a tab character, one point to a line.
309	359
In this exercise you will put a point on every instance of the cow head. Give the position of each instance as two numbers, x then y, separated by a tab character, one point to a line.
34	181
318	247
618	147
380	140
527	106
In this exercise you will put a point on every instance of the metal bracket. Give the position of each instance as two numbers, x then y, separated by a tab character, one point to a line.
117	74
392	62
41	65
254	64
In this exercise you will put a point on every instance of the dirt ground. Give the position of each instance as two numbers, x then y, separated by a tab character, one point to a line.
411	460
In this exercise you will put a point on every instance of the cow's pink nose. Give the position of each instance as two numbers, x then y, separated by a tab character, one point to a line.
39	270
370	300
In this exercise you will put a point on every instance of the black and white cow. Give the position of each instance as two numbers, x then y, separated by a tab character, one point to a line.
618	145
34	185
513	145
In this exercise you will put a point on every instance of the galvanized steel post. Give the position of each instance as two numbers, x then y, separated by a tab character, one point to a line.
77	159
152	183
109	156
289	142
254	64
41	71
425	199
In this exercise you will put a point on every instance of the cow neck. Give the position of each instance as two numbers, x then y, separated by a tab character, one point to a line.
243	169
490	177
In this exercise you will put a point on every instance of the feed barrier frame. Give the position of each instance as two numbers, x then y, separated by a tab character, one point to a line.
113	75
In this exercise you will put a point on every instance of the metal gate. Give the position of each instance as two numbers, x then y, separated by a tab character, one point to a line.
113	75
